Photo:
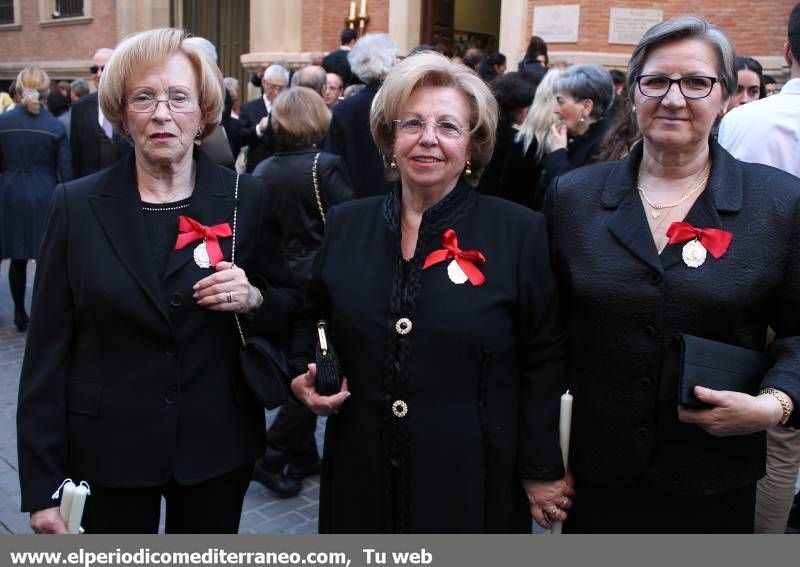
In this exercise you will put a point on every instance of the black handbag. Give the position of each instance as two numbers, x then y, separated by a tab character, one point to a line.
694	361
329	373
264	367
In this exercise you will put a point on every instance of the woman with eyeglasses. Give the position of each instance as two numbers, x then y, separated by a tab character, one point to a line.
442	309
131	379
679	237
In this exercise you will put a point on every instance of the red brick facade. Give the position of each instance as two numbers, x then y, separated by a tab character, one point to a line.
323	21
756	27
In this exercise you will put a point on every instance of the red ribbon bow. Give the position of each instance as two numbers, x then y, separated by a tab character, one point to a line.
193	230
466	259
714	240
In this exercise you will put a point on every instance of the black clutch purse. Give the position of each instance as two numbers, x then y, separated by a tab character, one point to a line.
329	373
694	361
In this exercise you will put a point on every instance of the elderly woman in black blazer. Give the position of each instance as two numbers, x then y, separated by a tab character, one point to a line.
131	379
442	306
679	237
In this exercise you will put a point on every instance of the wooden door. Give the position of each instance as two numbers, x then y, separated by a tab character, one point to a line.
437	22
226	24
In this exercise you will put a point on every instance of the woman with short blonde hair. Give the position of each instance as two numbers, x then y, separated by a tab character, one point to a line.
143	49
442	309
34	155
299	117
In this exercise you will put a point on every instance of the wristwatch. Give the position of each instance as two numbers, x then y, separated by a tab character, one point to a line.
784	401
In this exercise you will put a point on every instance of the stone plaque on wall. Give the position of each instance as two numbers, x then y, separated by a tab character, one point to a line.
557	24
627	25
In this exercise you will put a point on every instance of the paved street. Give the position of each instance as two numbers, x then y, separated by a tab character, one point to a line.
262	512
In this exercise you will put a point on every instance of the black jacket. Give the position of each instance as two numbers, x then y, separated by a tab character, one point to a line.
336	62
624	302
290	184
125	381
91	149
520	176
480	369
580	151
349	136
261	147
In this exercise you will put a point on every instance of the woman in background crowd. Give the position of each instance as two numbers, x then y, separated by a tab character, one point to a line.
492	66
34	157
750	77
303	183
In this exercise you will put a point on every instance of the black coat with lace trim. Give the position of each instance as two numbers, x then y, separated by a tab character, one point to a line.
481	369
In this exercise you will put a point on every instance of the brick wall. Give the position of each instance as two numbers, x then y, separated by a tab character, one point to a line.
59	43
324	21
756	27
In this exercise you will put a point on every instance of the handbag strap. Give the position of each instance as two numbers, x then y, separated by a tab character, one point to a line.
233	252
315	178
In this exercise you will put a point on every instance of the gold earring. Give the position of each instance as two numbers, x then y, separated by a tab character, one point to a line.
199	133
468	169
393	163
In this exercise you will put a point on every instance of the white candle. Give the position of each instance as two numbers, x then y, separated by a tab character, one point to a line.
352	11
564	428
67	495
363	13
76	512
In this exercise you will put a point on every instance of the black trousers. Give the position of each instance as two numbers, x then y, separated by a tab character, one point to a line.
212	506
640	509
292	433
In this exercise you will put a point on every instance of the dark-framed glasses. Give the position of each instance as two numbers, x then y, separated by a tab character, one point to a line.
445	128
692	86
176	102
94	69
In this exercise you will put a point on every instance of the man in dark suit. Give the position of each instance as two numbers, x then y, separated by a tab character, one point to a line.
93	142
254	117
336	61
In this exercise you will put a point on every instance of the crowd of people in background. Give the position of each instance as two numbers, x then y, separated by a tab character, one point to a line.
365	121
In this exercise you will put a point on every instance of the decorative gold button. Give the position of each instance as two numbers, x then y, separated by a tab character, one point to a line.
403	326
400	408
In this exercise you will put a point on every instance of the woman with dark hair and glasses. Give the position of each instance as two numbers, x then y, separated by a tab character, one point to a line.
679	237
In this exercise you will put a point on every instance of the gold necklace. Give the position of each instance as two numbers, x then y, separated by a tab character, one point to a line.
691	191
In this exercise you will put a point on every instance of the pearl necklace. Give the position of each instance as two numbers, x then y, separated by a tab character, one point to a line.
691	191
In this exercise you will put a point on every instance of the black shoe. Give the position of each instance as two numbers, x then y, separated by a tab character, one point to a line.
21	321
299	472
274	460
276	481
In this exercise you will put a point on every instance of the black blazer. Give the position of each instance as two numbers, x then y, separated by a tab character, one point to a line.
624	302
480	370
125	381
349	136
91	148
288	176
259	147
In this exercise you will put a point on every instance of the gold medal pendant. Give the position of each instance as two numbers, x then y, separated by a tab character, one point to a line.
201	255
456	274
694	254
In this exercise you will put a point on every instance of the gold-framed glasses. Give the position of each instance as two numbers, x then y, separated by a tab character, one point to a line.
444	129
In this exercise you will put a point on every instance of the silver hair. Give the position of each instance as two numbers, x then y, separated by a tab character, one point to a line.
203	44
80	87
373	56
277	72
588	80
681	28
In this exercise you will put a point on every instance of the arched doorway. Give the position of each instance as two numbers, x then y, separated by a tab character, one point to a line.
460	24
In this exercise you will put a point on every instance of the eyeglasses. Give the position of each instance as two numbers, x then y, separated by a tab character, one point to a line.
274	87
94	69
693	86
176	102
445	129
333	87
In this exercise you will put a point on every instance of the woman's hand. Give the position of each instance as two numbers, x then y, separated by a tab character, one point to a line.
558	136
227	290
304	388
48	521
549	499
733	413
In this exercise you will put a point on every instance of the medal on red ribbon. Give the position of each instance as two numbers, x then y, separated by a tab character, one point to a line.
698	242
462	266
207	253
